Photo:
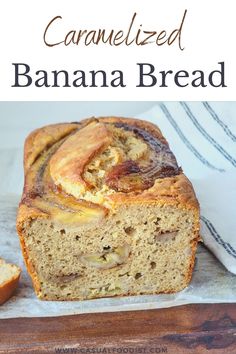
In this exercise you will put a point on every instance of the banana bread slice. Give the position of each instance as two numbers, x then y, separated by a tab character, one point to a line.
9	279
106	211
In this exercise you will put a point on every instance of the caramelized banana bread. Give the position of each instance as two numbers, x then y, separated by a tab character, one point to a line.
9	279
106	211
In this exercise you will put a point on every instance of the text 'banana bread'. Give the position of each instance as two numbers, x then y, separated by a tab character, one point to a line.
106	211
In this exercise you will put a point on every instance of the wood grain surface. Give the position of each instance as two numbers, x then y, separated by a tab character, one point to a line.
184	329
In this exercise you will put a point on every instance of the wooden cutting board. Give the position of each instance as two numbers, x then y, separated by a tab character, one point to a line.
178	330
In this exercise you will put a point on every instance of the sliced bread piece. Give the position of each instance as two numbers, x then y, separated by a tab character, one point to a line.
9	278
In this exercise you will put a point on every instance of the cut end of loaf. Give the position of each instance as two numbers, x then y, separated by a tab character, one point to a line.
139	250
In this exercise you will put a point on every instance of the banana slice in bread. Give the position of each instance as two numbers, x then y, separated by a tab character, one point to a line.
68	162
9	278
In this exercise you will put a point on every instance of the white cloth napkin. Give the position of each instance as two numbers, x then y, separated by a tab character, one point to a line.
202	136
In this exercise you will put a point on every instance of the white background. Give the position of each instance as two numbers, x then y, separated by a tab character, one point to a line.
208	37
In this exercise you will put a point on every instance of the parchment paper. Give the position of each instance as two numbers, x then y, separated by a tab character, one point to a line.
211	282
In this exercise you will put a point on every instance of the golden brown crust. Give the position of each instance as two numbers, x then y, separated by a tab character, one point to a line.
69	161
176	190
26	214
42	138
143	124
8	287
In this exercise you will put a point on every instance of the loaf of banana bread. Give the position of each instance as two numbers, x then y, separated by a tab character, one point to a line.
105	211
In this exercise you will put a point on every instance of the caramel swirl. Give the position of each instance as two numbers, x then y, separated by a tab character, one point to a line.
71	180
43	194
131	176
